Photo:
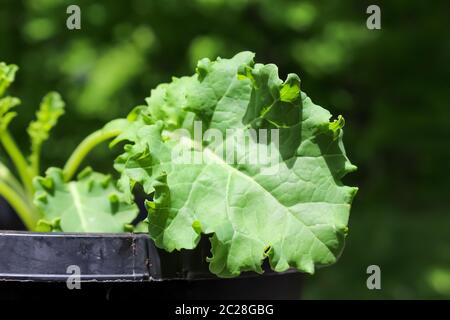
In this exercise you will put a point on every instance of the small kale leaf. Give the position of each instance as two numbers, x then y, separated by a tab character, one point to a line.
90	204
7	75
50	109
6	115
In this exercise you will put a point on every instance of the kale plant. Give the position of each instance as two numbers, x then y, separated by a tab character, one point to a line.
232	152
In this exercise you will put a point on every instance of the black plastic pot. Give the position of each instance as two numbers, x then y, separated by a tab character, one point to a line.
123	266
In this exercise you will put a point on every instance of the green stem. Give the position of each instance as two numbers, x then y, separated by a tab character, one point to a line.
18	160
11	181
89	143
34	161
25	213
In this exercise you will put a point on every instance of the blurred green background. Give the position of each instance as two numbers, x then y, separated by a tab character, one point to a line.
391	85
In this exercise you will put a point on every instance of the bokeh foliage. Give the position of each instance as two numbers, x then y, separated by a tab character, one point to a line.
391	85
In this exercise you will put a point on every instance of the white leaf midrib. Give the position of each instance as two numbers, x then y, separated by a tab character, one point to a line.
73	191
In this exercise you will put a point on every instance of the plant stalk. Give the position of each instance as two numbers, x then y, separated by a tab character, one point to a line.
34	161
10	180
89	143
19	161
26	214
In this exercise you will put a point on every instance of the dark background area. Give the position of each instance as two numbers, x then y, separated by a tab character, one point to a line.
391	85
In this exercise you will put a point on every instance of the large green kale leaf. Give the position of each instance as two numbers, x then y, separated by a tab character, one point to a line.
285	203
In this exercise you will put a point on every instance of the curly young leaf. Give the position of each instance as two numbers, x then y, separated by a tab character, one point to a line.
91	204
50	109
6	115
164	101
290	206
7	74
